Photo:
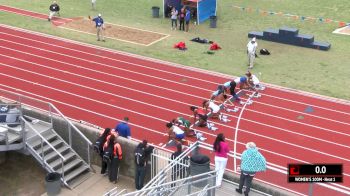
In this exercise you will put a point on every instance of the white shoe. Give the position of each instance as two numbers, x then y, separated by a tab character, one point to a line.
235	109
35	121
202	139
242	102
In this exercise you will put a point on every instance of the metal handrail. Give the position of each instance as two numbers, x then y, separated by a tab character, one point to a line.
57	112
71	124
190	179
39	134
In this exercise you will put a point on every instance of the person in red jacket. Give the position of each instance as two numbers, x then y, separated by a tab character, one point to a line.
112	156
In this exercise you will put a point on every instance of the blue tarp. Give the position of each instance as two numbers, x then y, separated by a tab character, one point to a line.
205	9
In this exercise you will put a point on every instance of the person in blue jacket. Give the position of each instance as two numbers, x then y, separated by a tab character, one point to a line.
100	27
187	18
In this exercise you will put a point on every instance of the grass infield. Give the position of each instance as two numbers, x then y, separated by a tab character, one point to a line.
321	72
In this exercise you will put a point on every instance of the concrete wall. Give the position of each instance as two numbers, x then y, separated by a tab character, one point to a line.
2	157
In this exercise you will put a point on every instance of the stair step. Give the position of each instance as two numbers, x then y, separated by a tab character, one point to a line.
69	165
12	137
75	173
37	142
57	162
53	154
47	147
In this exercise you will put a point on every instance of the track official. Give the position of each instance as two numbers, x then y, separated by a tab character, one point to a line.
54	9
100	27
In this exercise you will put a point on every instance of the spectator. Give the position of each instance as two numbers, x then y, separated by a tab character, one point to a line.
252	161
178	170
221	149
93	4
100	27
187	18
112	154
123	128
182	18
142	153
54	9
251	49
99	144
174	14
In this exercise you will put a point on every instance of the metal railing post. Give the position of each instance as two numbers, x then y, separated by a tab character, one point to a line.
50	114
42	151
88	152
311	189
69	135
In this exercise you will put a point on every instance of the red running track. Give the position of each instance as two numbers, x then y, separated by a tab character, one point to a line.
102	86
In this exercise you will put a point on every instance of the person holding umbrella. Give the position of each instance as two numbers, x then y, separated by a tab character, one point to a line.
252	161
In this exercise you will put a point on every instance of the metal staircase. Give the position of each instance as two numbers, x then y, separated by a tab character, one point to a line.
39	138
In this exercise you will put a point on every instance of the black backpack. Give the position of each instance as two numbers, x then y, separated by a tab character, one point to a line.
264	52
108	155
140	156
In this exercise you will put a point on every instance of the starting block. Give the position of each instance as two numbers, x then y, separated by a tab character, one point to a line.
250	102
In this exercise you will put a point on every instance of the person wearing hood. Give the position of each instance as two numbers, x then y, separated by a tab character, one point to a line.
142	153
252	161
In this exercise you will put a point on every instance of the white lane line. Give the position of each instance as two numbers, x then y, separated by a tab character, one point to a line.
22	14
141	114
142	127
173	100
105	65
194	69
174	90
104	73
197	88
112	59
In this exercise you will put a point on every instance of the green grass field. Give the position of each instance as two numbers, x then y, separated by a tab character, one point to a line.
321	72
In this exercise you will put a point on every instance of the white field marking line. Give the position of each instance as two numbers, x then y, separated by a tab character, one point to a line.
212	73
337	31
112	59
34	12
306	104
180	83
97	71
158	87
137	29
83	109
129	123
104	82
102	64
208	134
141	114
208	90
158	40
28	15
123	40
160	79
152	130
173	100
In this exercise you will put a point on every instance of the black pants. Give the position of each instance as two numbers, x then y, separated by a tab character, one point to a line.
177	171
246	179
113	170
182	24
174	23
103	165
139	176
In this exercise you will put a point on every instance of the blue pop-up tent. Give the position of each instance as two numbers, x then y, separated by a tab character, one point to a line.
205	8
